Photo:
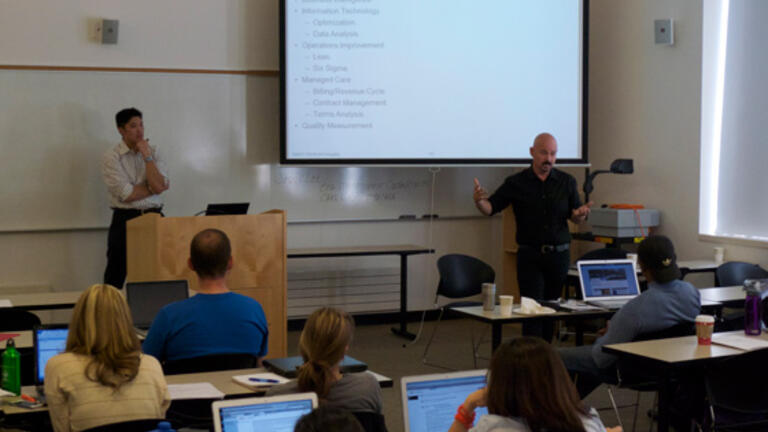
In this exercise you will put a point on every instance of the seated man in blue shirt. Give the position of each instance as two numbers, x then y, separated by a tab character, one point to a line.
668	301
215	320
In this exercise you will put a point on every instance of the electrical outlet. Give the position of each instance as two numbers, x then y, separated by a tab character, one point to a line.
664	31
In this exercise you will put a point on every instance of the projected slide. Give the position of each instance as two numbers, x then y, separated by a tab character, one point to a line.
430	79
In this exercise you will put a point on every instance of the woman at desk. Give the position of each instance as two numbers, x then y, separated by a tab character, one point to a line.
528	390
323	343
102	377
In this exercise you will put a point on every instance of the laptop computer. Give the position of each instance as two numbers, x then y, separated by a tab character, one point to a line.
430	401
227	209
274	413
288	366
608	284
147	298
47	340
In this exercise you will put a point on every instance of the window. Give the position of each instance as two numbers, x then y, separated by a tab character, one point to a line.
734	120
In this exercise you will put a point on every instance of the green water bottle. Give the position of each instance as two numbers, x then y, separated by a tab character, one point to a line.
11	368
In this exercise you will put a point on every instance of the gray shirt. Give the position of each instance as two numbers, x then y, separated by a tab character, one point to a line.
661	306
495	423
354	392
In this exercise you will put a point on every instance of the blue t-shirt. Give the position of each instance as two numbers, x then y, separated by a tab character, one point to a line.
207	324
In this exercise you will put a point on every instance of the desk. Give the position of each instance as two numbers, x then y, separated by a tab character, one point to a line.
222	380
496	320
729	294
667	355
44	301
402	250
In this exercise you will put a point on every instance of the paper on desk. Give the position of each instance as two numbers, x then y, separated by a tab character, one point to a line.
248	381
203	390
740	341
577	305
4	303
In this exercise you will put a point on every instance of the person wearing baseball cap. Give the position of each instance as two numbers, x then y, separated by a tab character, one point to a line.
667	302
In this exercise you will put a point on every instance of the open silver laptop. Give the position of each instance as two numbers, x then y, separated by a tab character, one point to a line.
608	284
430	401
274	413
147	298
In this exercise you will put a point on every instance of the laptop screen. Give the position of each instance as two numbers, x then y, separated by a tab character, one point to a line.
429	402
48	343
271	416
608	279
147	298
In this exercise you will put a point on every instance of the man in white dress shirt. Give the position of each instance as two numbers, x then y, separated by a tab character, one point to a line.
135	177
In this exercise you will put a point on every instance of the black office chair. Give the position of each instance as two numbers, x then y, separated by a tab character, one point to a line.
215	362
461	276
730	274
12	319
737	390
142	425
630	376
371	421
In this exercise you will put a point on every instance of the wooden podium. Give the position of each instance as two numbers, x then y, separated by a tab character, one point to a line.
158	249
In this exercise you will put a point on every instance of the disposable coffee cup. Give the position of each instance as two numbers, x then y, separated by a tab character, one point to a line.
506	304
719	254
705	324
489	296
633	257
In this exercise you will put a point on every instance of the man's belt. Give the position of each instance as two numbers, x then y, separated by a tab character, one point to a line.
545	249
138	211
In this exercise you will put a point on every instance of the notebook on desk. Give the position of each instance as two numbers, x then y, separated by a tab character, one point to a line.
608	284
288	366
48	340
430	401
275	413
147	298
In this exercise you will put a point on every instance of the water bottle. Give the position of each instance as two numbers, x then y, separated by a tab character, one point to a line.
163	426
489	296
11	368
752	308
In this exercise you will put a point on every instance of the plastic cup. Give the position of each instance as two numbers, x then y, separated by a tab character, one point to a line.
506	304
719	254
705	324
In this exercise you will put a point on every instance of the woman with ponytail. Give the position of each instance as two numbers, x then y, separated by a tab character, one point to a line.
102	377
323	343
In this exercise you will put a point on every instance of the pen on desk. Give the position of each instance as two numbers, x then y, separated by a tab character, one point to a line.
264	380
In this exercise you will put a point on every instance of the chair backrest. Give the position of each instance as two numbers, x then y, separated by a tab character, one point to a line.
462	275
735	272
738	383
17	319
605	253
678	330
142	425
371	421
215	362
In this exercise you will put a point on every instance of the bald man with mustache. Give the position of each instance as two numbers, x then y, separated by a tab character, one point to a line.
544	199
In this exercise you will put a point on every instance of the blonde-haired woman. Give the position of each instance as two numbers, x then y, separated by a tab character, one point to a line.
323	343
102	377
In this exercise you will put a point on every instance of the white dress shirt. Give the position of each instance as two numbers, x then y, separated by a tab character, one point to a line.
122	169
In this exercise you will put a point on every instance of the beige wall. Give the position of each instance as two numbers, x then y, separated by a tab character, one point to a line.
644	103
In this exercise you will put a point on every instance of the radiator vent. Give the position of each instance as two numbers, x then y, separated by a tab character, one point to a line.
355	291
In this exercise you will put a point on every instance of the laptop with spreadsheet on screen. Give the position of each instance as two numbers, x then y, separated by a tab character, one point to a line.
273	413
48	340
608	284
430	401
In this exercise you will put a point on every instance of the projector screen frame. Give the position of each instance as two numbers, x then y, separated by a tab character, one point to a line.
577	162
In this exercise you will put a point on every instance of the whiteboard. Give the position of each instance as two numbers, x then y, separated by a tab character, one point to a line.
219	136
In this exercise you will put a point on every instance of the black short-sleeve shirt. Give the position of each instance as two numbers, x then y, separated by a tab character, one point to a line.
542	208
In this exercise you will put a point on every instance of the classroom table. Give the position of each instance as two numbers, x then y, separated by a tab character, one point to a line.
222	380
496	320
665	356
404	251
730	295
43	300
